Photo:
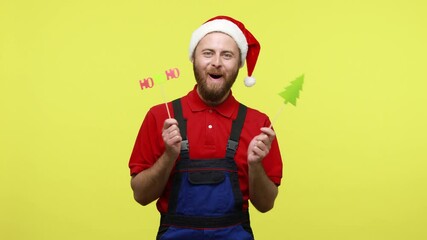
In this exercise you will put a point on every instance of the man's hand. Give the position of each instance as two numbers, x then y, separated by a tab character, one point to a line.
149	184
172	138
260	145
262	191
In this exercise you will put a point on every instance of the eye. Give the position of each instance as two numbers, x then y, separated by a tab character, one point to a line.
228	55
207	53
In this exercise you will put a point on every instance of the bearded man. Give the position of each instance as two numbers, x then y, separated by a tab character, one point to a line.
214	155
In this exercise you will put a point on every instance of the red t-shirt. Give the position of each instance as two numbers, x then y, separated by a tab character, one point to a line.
208	129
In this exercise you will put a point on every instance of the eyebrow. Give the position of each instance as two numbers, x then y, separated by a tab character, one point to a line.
228	51
223	51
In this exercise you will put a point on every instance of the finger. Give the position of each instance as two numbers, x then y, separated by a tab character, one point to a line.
171	132
175	139
264	148
258	152
265	140
170	127
261	145
172	138
171	135
269	133
170	122
176	134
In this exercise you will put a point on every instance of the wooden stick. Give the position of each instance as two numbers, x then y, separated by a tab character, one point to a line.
164	99
277	115
167	108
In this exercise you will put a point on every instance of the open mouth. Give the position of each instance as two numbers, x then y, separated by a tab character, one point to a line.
215	76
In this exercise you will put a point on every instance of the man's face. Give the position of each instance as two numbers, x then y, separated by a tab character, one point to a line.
216	65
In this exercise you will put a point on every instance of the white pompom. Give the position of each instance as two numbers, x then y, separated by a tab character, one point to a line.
249	81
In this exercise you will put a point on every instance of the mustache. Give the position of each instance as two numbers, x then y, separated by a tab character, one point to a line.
215	72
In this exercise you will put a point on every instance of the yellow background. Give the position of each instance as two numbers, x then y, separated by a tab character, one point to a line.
354	148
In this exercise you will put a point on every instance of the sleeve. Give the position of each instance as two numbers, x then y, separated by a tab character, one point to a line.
148	144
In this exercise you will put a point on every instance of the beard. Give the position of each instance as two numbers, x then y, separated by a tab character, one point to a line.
213	93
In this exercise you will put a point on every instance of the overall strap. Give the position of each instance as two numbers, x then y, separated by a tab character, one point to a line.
236	129
182	124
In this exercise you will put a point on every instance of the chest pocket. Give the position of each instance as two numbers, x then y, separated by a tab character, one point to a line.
206	177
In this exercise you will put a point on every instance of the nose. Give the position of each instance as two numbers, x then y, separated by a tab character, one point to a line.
216	61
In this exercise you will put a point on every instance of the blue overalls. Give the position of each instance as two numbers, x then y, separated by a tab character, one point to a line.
206	201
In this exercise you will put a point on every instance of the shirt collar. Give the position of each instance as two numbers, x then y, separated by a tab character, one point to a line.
226	108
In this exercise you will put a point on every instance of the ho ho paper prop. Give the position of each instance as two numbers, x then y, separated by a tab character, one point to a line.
160	80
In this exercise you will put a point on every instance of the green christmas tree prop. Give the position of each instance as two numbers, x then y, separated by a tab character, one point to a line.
291	92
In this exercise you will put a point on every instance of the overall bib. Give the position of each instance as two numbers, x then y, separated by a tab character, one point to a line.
206	201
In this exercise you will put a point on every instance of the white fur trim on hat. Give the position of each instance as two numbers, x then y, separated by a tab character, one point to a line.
224	26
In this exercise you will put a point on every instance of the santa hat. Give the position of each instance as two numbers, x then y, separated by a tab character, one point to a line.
248	45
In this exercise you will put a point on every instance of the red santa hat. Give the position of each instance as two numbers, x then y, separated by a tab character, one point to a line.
248	45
